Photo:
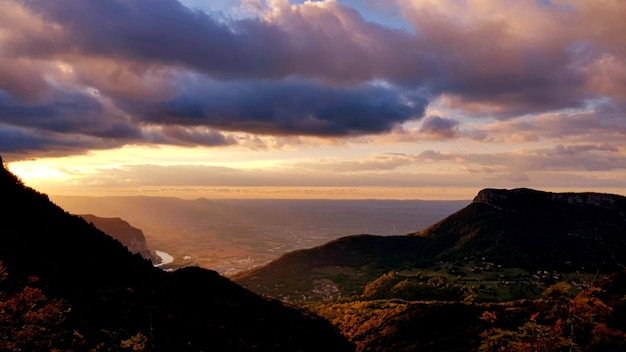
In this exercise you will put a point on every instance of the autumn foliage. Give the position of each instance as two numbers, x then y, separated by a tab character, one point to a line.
563	321
30	321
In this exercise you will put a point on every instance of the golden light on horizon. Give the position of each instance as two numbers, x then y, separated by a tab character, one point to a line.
32	172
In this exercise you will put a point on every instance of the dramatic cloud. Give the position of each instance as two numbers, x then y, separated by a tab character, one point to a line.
96	69
522	87
29	143
288	107
509	58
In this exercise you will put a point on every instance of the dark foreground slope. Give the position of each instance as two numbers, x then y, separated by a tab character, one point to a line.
518	228
114	294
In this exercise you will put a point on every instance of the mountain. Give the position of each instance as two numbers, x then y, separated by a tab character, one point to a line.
519	228
533	229
121	230
115	296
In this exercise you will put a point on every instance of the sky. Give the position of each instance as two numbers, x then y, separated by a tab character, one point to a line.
399	99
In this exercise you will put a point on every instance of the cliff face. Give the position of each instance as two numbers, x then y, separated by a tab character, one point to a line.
529	228
131	237
511	200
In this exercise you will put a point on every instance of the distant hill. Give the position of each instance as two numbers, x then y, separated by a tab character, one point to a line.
121	230
114	294
519	228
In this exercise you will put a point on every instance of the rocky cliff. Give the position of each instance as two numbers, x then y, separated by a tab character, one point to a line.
131	237
503	199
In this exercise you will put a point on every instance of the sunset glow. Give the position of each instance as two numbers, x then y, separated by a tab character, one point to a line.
347	99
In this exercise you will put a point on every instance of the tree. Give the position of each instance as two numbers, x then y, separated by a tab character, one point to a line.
415	288
30	321
562	322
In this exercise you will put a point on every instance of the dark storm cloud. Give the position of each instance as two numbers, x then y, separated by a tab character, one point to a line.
65	112
289	107
17	140
19	143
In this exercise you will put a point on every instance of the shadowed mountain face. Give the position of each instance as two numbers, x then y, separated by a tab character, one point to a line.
533	229
114	294
518	228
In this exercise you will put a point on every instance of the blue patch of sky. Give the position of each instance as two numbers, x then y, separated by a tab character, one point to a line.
385	13
382	12
550	4
215	8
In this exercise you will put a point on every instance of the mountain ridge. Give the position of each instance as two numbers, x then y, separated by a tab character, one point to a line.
530	228
499	197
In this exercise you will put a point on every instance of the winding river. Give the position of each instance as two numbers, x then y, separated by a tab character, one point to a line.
165	258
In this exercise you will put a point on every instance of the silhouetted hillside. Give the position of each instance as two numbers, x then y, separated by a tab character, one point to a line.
519	228
130	236
114	294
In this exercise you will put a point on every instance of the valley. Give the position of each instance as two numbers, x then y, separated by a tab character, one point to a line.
514	270
230	236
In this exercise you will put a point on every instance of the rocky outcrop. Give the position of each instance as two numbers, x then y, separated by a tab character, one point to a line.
503	199
131	237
